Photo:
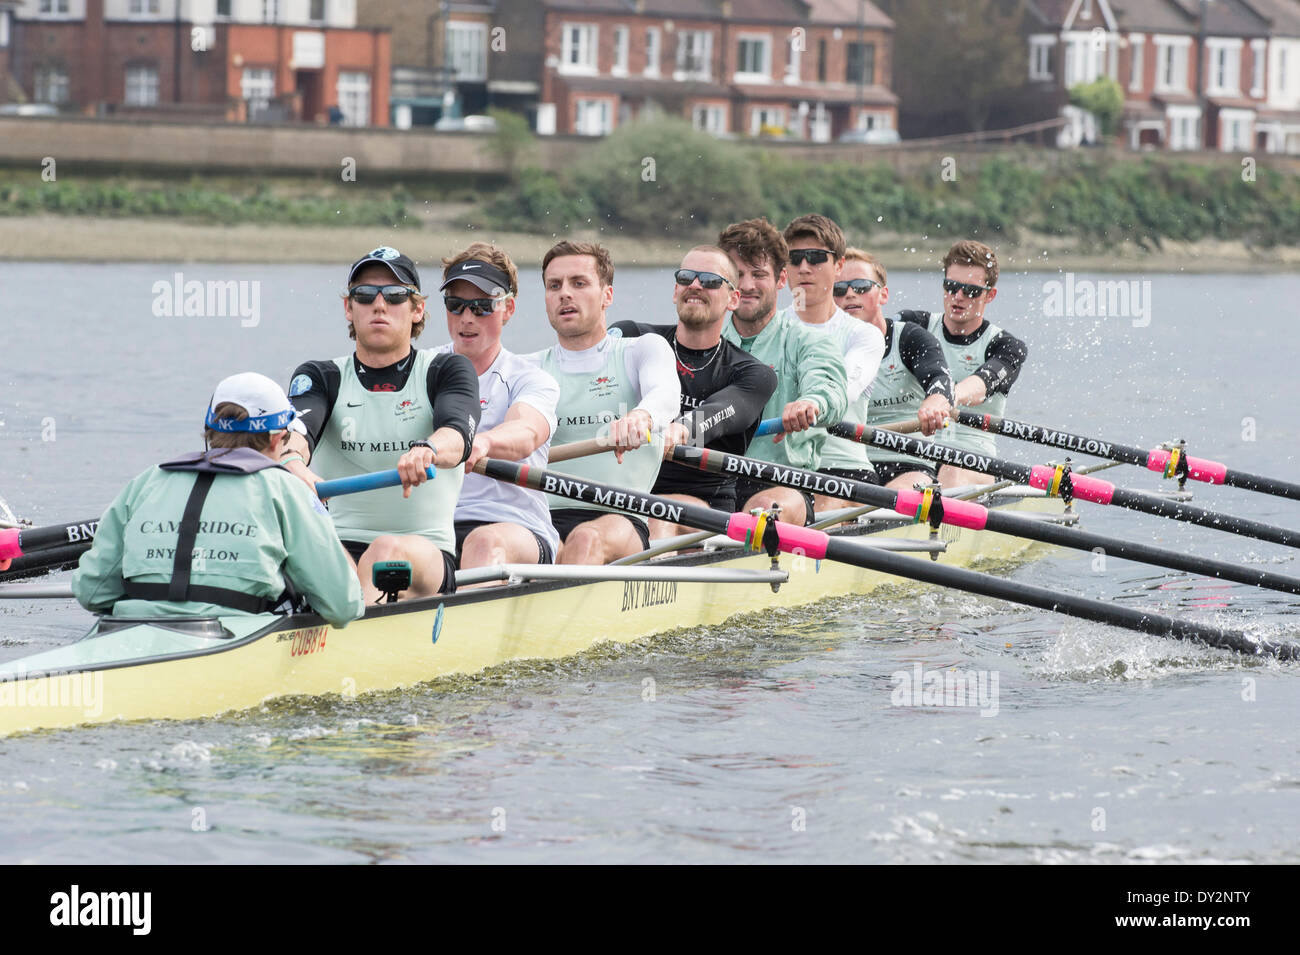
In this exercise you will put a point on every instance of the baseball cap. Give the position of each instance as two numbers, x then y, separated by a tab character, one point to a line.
267	405
484	275
400	265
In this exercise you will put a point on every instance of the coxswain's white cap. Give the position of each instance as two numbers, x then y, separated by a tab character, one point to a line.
267	405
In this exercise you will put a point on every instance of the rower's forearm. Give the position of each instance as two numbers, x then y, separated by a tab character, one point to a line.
450	447
512	441
971	391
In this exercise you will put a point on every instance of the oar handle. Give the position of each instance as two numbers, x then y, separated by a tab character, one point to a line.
577	449
581	449
363	482
774	426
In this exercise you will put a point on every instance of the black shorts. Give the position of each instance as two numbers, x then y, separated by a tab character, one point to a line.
719	498
465	528
865	475
357	548
566	519
886	471
745	489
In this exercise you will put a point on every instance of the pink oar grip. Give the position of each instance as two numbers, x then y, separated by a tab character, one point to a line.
955	512
1198	469
812	543
1085	488
9	546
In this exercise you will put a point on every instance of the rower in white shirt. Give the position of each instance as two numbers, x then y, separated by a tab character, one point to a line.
816	260
496	522
623	388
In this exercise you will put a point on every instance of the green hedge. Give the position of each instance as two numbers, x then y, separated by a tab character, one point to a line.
700	184
199	203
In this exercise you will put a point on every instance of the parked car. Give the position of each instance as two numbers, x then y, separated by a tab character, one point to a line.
28	109
870	137
466	124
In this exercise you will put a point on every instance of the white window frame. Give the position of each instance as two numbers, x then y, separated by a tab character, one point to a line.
50	84
257	87
760	116
143	8
764	73
1178	115
270	11
579	43
470	48
868	120
1239	121
1137	43
1041	46
1172	51
4	28
216	10
53	8
705	70
353	92
794	63
582	117
622	50
710	118
1224	58
324	11
1258	68
141	87
654	50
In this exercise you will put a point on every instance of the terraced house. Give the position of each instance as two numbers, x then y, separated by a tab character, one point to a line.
268	60
809	69
1196	74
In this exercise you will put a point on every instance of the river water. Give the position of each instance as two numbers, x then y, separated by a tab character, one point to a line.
774	741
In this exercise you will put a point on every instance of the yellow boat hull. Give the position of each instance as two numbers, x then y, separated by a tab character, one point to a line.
404	644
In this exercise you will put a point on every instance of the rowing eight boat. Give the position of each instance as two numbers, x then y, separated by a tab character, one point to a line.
182	669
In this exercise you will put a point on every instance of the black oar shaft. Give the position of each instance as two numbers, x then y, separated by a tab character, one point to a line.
45	561
27	540
818	544
1084	488
1083	607
1198	469
1015	525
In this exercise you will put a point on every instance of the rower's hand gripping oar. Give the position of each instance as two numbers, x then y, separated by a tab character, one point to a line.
1171	461
1056	481
759	531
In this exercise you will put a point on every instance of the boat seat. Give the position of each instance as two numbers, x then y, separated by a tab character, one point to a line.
210	628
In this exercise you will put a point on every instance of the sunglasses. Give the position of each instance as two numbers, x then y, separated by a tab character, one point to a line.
708	280
393	294
811	256
952	287
479	306
861	286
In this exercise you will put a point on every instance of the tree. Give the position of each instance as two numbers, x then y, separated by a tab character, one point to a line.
1104	98
962	58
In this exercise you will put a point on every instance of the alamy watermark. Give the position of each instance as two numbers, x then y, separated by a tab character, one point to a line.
1098	298
79	690
176	297
947	687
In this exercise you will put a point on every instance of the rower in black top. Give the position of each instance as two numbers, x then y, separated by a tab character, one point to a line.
984	359
724	389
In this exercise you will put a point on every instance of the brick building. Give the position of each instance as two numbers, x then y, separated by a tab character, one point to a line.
1195	75
440	55
811	69
267	60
